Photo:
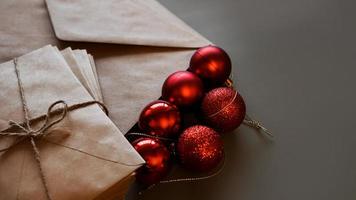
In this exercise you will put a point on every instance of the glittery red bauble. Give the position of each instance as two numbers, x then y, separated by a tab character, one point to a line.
223	109
160	118
212	64
156	156
200	148
182	88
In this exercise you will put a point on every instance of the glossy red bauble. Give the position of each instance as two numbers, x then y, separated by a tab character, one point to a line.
223	109
157	158
200	148
182	88
212	64
160	118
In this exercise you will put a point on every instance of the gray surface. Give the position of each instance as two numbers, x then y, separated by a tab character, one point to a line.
294	63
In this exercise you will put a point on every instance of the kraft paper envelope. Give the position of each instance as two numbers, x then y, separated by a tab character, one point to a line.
87	163
83	67
156	43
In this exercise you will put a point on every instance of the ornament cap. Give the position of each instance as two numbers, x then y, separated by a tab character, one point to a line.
229	83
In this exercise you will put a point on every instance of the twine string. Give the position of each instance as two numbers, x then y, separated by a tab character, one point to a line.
187	179
26	132
151	136
248	120
193	179
30	133
36	154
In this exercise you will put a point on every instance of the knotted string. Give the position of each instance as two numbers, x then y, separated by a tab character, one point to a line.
28	133
31	134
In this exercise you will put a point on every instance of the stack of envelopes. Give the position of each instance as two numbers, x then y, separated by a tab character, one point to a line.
85	156
136	44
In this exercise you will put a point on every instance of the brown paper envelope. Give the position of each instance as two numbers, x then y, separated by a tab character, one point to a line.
78	68
83	60
93	68
71	60
71	174
139	22
130	79
130	76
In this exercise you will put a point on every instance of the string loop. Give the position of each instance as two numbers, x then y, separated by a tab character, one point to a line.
26	132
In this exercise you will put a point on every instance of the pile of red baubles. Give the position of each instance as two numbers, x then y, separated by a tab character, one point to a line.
195	109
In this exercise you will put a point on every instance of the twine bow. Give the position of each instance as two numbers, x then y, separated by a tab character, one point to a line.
26	132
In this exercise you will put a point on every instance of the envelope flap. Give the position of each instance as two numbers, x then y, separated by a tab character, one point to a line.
138	22
97	127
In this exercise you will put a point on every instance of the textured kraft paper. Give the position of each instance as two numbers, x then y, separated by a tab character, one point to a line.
139	22
70	174
86	74
156	43
130	76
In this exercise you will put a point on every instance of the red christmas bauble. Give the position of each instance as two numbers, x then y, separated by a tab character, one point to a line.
200	148
212	64
157	158
223	109
182	88
160	118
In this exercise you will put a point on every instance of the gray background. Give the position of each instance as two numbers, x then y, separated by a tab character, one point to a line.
294	63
